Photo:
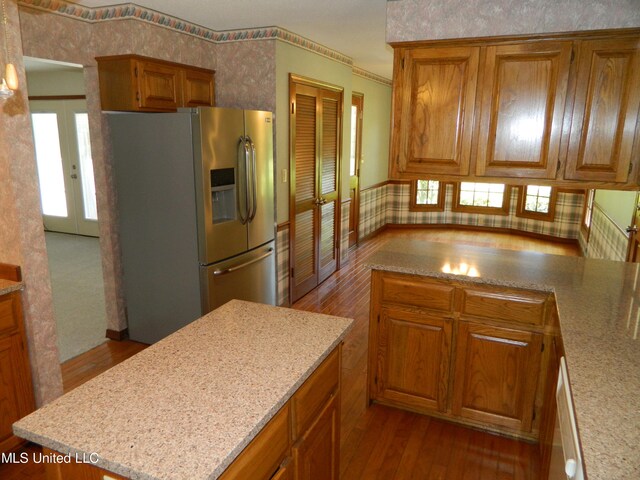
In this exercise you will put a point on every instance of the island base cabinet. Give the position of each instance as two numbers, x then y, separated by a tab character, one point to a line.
73	470
317	453
496	375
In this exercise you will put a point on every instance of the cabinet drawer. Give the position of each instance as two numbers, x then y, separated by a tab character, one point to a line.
417	292
261	458
510	305
8	314
312	396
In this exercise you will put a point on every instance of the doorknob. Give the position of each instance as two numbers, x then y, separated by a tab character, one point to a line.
74	175
632	229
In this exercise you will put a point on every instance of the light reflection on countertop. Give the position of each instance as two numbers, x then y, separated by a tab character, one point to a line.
599	308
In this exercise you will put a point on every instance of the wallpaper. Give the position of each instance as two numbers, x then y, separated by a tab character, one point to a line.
427	19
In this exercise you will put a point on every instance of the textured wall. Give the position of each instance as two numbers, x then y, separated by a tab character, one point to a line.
428	19
606	239
21	232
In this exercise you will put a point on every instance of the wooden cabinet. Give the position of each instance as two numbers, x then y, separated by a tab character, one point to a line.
563	109
468	353
522	106
135	83
413	354
605	115
16	390
436	98
496	375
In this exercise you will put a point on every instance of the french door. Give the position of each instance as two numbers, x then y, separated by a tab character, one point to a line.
357	104
65	166
315	124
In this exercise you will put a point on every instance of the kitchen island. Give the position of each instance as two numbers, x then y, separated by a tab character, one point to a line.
598	305
186	407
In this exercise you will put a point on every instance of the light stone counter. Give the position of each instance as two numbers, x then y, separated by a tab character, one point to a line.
8	286
187	406
599	309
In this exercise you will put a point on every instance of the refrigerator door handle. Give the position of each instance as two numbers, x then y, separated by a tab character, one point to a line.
245	264
243	159
254	181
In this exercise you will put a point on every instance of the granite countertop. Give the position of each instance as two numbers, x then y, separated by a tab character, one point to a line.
8	286
599	308
185	407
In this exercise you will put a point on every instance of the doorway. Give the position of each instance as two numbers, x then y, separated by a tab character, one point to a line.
355	159
314	208
70	219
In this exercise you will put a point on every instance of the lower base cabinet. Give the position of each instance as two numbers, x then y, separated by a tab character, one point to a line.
461	351
301	441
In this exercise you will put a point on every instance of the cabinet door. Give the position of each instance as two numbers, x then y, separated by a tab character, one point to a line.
197	89
523	95
317	455
436	111
496	375
412	364
16	397
606	106
158	86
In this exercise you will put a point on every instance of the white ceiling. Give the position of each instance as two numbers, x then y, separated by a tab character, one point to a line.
355	28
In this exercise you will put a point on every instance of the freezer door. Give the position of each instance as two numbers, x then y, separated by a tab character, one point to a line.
220	168
259	132
251	276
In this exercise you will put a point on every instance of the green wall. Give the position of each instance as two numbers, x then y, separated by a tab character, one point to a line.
376	129
618	205
63	82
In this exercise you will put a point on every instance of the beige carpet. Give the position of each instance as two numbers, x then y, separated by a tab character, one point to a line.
78	292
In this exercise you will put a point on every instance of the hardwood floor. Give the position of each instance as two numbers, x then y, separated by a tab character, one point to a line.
376	442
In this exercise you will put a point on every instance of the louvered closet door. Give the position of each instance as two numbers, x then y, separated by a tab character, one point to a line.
328	250
315	153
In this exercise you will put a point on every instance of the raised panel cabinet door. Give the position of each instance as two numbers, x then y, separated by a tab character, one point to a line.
496	375
159	86
412	364
317	454
524	89
606	109
436	110
197	88
16	397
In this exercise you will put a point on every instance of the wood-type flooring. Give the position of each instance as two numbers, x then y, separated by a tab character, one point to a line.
376	442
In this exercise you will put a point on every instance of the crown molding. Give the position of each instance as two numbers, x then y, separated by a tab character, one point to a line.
131	11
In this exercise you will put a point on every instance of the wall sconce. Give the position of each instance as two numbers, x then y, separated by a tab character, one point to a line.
10	81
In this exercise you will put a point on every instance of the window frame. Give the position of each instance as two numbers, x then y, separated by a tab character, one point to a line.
522	212
414	206
504	210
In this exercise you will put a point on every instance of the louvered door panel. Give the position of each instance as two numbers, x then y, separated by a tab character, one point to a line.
328	252
305	249
305	148
329	145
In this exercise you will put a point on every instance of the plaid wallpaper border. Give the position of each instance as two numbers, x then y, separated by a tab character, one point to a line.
344	231
565	225
606	240
373	210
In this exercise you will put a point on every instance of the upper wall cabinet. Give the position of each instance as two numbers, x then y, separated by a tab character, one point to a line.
560	109
436	97
140	84
606	108
523	95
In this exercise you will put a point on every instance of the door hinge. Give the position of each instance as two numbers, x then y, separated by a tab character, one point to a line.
293	108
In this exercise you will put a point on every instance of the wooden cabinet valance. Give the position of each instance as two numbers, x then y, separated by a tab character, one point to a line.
141	84
560	109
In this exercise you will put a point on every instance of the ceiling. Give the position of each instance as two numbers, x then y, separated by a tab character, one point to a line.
355	28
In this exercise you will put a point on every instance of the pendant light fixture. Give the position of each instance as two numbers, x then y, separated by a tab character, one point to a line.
10	81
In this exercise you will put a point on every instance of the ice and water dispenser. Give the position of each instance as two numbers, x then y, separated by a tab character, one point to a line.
223	195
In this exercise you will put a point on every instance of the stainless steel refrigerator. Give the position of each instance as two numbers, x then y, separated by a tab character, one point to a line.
196	219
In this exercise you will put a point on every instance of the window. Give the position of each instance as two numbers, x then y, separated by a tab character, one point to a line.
427	195
481	198
537	201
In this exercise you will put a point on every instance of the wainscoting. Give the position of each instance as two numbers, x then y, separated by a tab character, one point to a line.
606	239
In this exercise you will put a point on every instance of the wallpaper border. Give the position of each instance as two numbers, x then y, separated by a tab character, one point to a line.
131	11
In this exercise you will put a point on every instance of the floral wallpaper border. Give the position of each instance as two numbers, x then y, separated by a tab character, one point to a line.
135	12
